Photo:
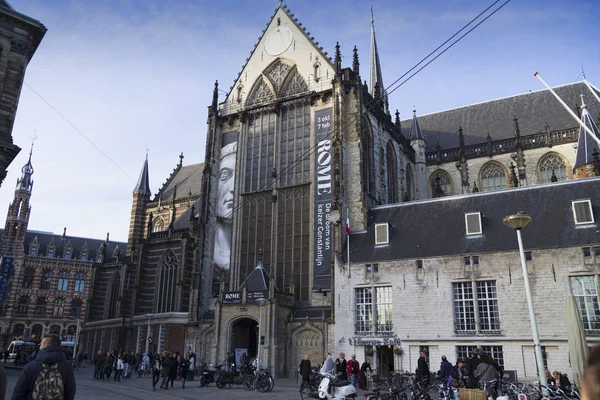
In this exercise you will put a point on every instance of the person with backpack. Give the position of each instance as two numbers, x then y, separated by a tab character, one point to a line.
49	376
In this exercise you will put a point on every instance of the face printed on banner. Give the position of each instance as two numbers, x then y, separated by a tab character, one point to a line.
226	181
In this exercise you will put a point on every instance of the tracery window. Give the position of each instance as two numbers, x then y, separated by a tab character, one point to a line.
79	282
294	144
113	300
158	225
277	73
23	305
168	281
46	280
294	84
28	278
261	93
392	173
552	164
493	177
40	306
59	307
410	189
440	183
368	155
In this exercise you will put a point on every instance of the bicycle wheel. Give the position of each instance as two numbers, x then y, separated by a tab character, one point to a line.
220	384
306	390
271	383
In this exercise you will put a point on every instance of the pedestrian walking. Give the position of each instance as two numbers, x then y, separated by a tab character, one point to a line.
173	370
445	370
362	381
305	370
353	369
49	376
166	369
472	364
155	372
184	370
119	368
423	373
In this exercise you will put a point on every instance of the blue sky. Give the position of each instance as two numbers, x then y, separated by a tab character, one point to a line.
138	74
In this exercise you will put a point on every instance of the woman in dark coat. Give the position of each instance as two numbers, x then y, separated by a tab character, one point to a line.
305	369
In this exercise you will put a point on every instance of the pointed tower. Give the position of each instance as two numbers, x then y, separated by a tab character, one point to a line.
417	141
376	78
17	218
586	146
141	197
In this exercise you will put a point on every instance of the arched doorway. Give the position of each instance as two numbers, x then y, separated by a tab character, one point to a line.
244	337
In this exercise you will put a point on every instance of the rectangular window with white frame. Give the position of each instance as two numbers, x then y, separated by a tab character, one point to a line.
384	309
582	212
473	223
382	234
496	352
486	298
364	310
584	290
464	352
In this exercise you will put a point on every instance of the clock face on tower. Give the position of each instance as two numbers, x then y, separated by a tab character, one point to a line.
278	41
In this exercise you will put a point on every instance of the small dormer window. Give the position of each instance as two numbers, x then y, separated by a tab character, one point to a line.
582	212
84	256
33	251
382	234
50	253
473	223
67	254
99	259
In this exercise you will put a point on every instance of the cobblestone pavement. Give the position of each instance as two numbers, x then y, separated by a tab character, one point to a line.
141	388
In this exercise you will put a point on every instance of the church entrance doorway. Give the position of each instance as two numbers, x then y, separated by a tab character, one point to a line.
244	338
385	360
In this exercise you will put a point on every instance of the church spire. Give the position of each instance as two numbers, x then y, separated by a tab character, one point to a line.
376	78
26	181
143	183
586	145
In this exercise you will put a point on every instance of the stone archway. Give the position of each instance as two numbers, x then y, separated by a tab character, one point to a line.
307	341
243	337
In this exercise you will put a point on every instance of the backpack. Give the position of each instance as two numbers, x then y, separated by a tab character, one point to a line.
49	384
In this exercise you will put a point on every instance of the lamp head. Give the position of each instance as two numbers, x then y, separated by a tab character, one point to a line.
517	221
262	301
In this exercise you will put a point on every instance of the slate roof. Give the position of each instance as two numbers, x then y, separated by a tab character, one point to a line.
257	280
187	179
435	228
586	144
77	244
415	129
534	110
183	222
143	183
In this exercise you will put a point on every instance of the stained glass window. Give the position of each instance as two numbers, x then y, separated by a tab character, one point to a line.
552	164
168	281
493	177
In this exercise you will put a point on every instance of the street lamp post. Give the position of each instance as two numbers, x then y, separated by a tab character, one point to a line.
518	222
76	339
148	335
261	302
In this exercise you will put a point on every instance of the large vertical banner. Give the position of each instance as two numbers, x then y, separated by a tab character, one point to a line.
6	270
323	235
224	207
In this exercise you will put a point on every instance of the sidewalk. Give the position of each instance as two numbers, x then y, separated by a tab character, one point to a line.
10	365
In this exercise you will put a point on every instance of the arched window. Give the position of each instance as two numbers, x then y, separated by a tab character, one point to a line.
63	281
46	280
28	278
158	225
392	173
33	251
168	279
409	194
50	253
552	168
440	184
23	305
493	177
67	254
84	256
368	155
75	308
79	282
54	330
113	300
36	333
59	307
18	331
40	306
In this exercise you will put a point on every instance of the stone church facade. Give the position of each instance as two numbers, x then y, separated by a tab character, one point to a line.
247	252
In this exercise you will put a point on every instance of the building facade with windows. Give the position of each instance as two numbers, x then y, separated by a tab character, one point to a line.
444	276
46	278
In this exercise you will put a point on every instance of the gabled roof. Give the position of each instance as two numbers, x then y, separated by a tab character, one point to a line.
258	279
185	180
5	4
414	226
298	25
586	144
183	221
534	110
143	183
